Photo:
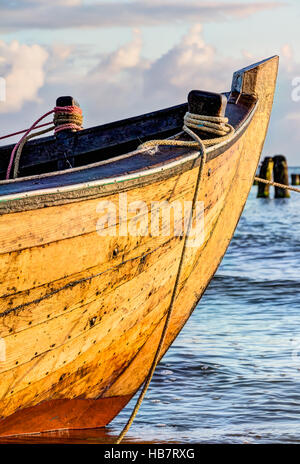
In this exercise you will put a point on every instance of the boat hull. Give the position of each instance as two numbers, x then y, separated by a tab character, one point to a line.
82	314
63	414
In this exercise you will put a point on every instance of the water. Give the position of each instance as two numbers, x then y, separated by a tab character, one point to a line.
233	374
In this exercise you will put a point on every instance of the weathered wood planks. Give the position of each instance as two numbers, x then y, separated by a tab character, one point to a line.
81	314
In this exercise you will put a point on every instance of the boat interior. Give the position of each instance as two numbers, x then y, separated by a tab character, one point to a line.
106	150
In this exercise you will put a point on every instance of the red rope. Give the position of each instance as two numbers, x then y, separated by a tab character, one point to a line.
70	110
57	109
67	126
24	130
12	156
67	109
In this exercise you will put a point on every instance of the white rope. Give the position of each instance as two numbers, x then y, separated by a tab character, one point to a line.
213	124
202	156
218	126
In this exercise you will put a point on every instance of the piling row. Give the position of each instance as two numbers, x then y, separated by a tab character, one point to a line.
275	168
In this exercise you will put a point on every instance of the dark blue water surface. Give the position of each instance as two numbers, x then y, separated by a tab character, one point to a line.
233	374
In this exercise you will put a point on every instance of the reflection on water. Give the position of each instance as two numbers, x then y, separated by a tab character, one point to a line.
233	374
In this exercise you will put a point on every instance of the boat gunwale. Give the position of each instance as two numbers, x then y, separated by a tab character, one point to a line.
212	152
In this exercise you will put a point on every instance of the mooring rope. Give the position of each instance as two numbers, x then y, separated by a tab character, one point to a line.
202	155
276	184
218	126
211	124
24	130
70	117
215	124
20	148
65	117
200	144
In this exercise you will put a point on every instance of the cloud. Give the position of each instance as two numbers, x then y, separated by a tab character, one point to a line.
127	56
22	67
293	117
63	14
29	3
123	83
120	84
284	135
191	64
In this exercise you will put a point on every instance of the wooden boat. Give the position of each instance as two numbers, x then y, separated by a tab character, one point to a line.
81	314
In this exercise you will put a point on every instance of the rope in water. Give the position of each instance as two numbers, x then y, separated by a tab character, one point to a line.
276	184
71	118
215	125
65	117
202	155
200	144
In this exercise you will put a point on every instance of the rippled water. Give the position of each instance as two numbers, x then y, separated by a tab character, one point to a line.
233	374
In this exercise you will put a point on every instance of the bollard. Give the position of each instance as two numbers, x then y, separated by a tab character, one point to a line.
280	174
66	142
295	179
265	172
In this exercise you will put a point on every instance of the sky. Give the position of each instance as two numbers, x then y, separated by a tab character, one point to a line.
120	58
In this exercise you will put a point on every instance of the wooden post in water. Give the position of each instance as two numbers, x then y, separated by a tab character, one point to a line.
265	172
280	174
295	179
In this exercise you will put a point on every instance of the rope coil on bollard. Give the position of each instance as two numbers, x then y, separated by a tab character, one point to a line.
212	124
65	117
